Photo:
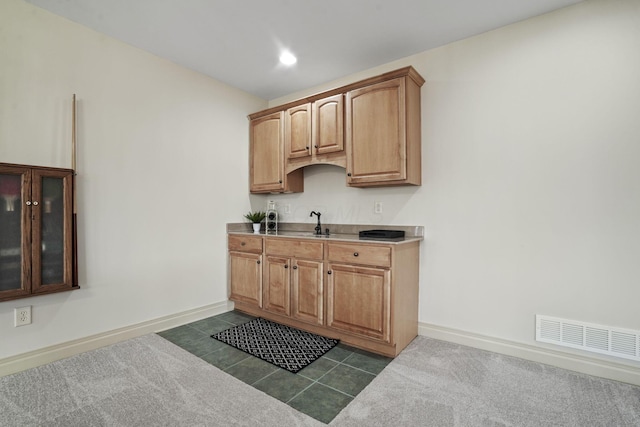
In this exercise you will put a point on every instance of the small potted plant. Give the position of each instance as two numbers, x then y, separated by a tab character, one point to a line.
256	218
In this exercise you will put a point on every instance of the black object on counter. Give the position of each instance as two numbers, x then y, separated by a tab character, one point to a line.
381	234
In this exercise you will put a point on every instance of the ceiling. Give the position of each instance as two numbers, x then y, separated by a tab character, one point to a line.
239	41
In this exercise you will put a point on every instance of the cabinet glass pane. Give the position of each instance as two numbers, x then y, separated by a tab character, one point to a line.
52	251
10	232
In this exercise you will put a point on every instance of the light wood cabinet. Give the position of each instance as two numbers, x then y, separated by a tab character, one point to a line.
245	269
36	231
293	279
358	288
314	133
328	125
358	300
307	291
371	128
363	293
266	157
383	134
297	131
277	285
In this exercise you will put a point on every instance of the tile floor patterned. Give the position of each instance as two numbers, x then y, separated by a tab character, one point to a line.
320	390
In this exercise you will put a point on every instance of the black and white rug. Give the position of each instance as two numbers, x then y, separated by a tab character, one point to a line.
286	347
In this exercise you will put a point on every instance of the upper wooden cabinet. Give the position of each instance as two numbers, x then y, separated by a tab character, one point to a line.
314	133
36	231
328	125
383	134
371	128
297	133
266	157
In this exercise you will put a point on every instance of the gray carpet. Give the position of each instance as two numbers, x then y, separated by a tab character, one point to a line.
148	381
435	383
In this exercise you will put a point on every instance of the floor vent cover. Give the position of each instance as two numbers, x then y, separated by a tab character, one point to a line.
588	336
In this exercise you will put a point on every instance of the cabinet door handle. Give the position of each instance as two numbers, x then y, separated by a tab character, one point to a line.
295	267
279	181
316	146
329	272
356	254
349	174
258	262
28	203
242	243
286	266
35	203
307	147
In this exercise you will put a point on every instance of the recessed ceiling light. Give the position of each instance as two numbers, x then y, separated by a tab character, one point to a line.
287	58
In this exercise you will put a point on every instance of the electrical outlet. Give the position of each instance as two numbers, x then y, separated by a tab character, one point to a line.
22	316
377	207
287	208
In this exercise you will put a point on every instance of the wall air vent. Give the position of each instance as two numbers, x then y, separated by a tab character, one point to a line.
588	336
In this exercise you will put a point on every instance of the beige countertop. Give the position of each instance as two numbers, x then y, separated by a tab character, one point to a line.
343	232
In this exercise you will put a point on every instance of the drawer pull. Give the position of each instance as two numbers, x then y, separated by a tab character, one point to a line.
356	254
243	243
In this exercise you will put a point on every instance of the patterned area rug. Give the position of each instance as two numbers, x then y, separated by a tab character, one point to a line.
286	347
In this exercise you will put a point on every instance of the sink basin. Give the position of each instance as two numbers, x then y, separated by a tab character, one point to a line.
301	234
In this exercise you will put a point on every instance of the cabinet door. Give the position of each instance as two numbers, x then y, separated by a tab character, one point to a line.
328	124
358	300
267	153
245	277
52	234
297	131
277	286
15	231
376	133
307	291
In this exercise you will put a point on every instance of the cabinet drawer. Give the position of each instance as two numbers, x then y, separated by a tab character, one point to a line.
294	248
245	243
359	254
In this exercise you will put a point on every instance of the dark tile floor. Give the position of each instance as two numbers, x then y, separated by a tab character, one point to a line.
321	390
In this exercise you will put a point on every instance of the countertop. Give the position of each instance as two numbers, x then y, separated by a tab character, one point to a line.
345	233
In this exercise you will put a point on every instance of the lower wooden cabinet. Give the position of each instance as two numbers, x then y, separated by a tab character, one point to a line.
365	294
307	291
358	300
277	285
293	278
245	269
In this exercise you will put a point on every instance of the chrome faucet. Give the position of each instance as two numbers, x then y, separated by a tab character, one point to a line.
318	228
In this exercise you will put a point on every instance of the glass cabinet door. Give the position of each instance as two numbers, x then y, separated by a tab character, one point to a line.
15	265
52	230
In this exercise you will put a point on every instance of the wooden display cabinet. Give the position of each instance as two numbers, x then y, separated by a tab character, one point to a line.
36	231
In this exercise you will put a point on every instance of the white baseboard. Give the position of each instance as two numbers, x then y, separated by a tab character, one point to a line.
21	362
574	362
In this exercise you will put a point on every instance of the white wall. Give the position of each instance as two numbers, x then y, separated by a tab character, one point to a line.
161	169
531	186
